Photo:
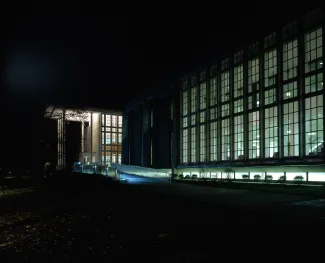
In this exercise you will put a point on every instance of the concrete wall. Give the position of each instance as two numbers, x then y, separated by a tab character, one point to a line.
96	133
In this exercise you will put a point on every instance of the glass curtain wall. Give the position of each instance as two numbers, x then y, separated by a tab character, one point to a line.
272	99
111	139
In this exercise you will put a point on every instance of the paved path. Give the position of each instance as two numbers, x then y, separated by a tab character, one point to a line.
292	207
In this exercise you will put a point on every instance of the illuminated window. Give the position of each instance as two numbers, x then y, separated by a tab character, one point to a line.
213	141
185	122
253	75
193	119
108	138
254	135
239	137
103	137
203	96
238	81
108	120
271	132
185	103
291	129
270	68
120	121
225	86
114	121
193	99
314	83
111	138
238	105
213	91
314	125
213	113
202	143
313	50
193	144
254	101
269	96
290	90
202	117
225	139
290	59
225	110
185	146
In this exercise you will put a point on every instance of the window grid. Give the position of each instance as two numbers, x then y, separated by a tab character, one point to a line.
271	133
253	74
193	144
225	86
213	91
314	125
193	99
225	139
254	101
314	83
253	135
313	50
270	68
225	110
291	129
238	105
290	90
202	143
202	116
193	119
290	59
203	96
239	137
213	141
111	138
238	81
185	146
185	103
270	96
213	113
185	122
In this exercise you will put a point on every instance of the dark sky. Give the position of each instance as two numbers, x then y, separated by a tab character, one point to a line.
104	61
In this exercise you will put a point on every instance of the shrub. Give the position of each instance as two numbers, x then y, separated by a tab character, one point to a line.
194	176
180	176
282	178
268	178
298	179
257	177
187	176
245	176
174	176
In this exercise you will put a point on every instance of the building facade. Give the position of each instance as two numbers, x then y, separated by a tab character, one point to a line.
100	134
258	111
260	107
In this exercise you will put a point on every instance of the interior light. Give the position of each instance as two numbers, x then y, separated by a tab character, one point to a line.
288	94
321	63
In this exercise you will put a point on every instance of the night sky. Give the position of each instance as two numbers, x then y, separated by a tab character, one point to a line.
104	61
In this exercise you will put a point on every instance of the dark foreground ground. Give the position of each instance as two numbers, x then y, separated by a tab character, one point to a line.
75	218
